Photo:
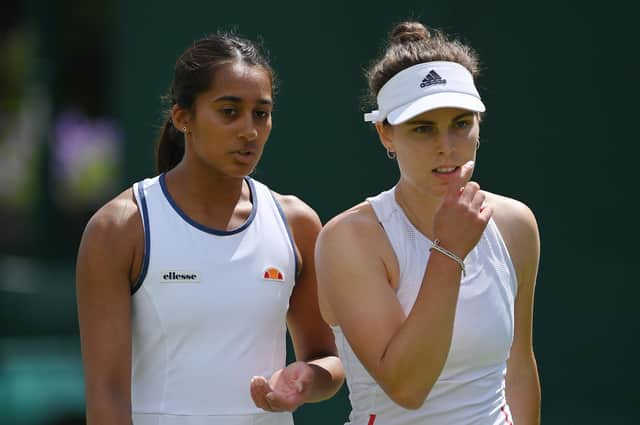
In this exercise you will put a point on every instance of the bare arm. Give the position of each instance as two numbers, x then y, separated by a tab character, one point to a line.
311	336
404	354
317	374
520	232
103	285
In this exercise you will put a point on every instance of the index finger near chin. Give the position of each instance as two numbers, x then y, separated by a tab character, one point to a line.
466	171
457	185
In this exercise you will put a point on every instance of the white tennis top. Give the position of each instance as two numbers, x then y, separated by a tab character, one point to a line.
209	312
470	390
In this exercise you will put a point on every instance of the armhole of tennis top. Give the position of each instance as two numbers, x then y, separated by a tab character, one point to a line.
144	212
498	239
286	226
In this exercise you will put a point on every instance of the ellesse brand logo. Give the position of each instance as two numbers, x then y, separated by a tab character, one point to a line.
272	273
180	276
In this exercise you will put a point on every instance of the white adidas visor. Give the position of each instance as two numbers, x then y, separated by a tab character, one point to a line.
423	87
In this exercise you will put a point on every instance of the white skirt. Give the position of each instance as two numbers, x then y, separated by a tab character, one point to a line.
267	418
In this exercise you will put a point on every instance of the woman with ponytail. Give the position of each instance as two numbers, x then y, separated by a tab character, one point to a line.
187	282
429	285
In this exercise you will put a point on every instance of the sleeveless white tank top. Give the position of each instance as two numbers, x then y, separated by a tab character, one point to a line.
470	389
209	312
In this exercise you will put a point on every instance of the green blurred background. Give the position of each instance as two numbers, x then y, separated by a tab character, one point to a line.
80	88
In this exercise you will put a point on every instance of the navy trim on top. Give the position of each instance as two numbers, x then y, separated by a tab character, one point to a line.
147	239
286	226
185	217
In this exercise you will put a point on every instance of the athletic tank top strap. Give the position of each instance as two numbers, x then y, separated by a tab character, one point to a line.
501	256
140	197
392	219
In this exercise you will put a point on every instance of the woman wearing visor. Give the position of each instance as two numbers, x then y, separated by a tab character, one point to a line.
429	285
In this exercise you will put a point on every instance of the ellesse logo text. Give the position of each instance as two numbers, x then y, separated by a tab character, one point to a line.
180	276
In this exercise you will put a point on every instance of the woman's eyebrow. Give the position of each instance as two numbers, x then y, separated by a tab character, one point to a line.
464	115
237	99
425	122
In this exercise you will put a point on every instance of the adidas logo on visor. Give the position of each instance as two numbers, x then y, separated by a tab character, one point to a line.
432	78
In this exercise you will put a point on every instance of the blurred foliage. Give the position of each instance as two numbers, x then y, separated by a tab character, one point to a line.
24	112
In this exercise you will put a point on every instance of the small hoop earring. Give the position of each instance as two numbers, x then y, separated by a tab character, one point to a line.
391	154
477	144
184	130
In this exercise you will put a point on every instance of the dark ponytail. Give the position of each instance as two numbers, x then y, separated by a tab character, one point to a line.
192	75
169	147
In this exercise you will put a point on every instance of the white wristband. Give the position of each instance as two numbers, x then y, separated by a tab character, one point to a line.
436	245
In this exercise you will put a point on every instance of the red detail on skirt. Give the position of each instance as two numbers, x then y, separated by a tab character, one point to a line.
506	416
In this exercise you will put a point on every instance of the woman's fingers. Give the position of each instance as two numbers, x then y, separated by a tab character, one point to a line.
469	192
259	388
278	402
477	201
457	185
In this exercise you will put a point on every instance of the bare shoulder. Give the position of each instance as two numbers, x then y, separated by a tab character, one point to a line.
116	224
511	215
357	232
297	212
359	221
117	215
354	257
